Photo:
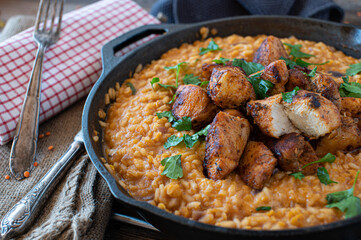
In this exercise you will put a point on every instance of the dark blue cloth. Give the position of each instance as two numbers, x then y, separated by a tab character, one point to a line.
189	11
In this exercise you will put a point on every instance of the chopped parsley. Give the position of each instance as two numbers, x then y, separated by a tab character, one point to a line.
263	208
345	201
156	80
312	73
183	124
188	140
298	175
291	64
191	79
172	167
177	68
167	114
172	101
330	158
221	61
296	51
204	83
323	176
212	46
288	96
129	84
260	86
354	69
350	89
248	67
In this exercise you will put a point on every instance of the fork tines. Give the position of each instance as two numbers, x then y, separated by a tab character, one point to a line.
49	15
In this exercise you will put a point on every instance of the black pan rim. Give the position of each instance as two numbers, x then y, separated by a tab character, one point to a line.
181	220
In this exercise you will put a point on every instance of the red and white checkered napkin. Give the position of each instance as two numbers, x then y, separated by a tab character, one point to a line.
70	67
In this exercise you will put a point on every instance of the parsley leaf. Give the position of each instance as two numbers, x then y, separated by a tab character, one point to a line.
291	64
248	67
129	84
323	176
264	208
167	114
212	46
156	80
183	124
177	68
221	61
191	79
288	96
172	141
296	52
298	175
172	101
204	83
312	73
350	89
345	201
330	158
172	167
260	86
354	69
188	140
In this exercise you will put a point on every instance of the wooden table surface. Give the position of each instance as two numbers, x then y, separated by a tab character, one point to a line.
115	228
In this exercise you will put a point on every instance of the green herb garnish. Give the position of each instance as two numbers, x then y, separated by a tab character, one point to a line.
350	89
172	167
191	79
264	208
188	140
129	84
221	61
330	158
167	114
354	69
298	175
291	64
156	80
323	176
212	46
177	68
204	83
345	201
248	67
183	124
288	96
172	101
296	52
260	86
312	73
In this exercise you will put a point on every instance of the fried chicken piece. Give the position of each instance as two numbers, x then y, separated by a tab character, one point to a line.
225	142
297	78
351	105
345	138
270	117
256	165
233	112
277	73
293	152
312	114
192	101
229	87
327	87
321	83
271	49
207	69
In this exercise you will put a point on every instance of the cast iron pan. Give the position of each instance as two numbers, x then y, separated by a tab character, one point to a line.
116	69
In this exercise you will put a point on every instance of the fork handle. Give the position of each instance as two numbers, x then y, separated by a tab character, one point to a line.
23	149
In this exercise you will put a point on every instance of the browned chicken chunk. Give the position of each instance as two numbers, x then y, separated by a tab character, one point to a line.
270	117
270	50
312	114
293	152
256	165
207	69
345	138
225	142
229	87
321	83
351	105
277	73
192	101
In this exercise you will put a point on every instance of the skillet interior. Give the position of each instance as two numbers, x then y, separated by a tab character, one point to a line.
116	69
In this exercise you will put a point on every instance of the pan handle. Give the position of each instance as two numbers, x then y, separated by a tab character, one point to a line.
109	60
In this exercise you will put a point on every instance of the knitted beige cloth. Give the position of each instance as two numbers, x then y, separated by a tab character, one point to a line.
80	206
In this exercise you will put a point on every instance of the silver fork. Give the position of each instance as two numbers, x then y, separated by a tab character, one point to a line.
24	145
